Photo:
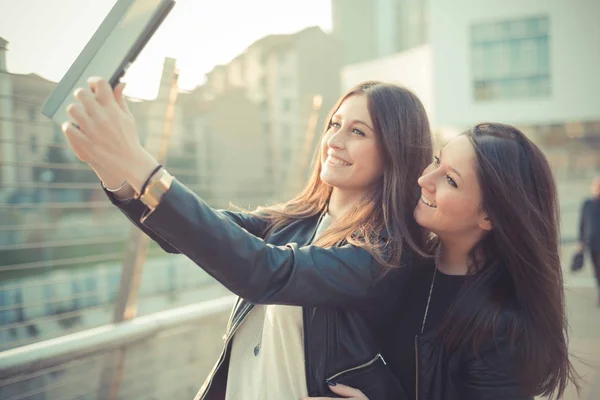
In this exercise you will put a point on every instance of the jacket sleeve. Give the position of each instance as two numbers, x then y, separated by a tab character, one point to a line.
345	276
492	374
134	209
582	222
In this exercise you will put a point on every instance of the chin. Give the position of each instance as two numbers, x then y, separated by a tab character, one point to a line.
422	220
328	180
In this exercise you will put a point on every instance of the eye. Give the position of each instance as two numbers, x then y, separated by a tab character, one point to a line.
358	132
451	181
335	125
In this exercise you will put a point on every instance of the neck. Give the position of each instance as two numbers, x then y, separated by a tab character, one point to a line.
341	202
453	256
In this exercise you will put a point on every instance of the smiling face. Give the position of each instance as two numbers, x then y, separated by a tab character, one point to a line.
450	204
351	159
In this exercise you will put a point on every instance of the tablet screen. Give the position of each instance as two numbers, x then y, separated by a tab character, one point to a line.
115	44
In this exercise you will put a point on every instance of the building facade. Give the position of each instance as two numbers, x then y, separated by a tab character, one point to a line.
531	64
282	75
370	29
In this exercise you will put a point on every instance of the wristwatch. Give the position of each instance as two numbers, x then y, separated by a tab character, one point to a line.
159	184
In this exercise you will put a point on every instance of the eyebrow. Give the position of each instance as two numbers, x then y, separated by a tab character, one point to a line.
356	121
452	168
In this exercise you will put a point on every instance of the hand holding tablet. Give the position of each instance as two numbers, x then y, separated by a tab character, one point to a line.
113	47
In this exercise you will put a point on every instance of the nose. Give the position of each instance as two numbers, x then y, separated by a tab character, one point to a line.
426	180
336	140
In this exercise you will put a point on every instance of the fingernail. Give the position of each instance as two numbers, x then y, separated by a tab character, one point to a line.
331	383
64	126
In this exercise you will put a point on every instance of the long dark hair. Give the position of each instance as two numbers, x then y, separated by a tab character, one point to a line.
516	266
402	128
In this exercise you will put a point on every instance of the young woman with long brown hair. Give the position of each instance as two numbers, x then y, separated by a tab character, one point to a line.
315	275
484	319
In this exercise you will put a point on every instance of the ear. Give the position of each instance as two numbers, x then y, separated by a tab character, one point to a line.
485	223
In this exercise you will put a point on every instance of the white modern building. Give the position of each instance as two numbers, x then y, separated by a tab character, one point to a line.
523	62
533	64
368	29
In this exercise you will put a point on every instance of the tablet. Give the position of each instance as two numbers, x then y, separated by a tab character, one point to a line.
113	47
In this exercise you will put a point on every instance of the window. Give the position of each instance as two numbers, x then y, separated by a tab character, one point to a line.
33	143
511	59
286	105
32	113
57	134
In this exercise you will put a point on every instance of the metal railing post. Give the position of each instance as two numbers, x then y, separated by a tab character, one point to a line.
133	265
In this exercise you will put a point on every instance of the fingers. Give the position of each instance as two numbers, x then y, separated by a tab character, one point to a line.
120	98
86	98
344	391
80	116
347	391
77	140
101	89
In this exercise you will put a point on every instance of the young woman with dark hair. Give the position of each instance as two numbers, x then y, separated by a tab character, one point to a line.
485	317
315	275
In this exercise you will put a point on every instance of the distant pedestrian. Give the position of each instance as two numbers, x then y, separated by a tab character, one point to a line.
589	229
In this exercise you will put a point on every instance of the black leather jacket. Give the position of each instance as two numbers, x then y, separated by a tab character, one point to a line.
491	374
346	301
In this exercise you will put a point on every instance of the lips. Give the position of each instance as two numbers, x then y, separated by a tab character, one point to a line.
337	161
428	202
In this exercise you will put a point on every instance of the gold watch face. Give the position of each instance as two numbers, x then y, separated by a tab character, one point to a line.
156	189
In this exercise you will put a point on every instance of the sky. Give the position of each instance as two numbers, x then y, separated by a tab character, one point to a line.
46	36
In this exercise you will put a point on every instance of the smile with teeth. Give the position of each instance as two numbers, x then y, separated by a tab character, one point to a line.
428	202
336	161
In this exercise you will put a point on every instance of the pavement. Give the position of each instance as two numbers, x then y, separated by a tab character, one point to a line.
584	320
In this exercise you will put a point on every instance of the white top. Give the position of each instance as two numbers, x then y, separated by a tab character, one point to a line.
267	352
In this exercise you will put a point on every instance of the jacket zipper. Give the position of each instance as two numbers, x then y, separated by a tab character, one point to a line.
228	337
416	367
309	387
368	363
236	325
231	315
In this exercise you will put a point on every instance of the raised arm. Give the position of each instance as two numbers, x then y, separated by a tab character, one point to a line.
346	276
106	139
134	209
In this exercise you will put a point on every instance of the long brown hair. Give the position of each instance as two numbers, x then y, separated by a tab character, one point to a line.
521	270
404	137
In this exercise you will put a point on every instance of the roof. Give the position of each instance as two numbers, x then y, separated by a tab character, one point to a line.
278	42
31	76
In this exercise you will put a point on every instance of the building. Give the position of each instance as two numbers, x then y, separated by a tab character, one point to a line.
25	136
36	163
370	29
533	65
529	65
229	149
263	100
282	75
